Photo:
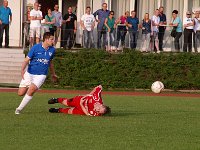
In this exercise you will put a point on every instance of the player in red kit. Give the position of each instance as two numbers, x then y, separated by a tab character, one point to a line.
90	104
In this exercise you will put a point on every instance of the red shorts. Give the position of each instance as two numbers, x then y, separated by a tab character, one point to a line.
75	104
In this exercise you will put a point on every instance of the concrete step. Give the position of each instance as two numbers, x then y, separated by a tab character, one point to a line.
10	72
12	55
11	50
10	59
11	63
10	81
10	68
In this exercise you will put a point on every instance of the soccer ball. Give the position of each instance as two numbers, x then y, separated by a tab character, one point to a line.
157	87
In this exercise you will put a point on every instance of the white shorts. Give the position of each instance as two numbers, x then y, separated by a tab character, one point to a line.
38	80
35	32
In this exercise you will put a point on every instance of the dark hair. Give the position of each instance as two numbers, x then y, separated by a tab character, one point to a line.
48	9
175	11
111	12
46	35
88	7
107	110
104	4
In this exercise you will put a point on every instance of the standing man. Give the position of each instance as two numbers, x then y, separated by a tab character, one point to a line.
38	60
101	30
155	23
58	23
88	23
35	25
196	31
188	24
70	20
133	24
161	33
5	12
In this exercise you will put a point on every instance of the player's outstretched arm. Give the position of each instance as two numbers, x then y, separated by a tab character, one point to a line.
53	74
24	64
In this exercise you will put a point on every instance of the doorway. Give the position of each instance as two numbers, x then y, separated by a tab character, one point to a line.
45	5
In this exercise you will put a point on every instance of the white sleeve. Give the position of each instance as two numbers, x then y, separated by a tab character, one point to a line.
184	21
83	18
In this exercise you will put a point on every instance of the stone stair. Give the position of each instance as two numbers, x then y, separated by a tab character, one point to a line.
10	65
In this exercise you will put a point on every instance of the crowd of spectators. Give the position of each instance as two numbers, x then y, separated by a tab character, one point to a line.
111	31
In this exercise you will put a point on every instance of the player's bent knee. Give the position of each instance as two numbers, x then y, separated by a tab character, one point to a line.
70	111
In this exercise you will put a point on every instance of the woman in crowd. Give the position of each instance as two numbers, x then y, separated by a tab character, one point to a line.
50	21
110	26
176	23
121	29
146	33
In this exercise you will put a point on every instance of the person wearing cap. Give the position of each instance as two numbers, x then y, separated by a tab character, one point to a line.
196	36
188	24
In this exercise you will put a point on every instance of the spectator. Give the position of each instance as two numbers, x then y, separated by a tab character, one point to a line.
133	24
161	33
146	32
110	26
121	29
35	25
178	24
70	20
50	21
155	22
88	23
196	31
101	31
5	12
58	22
188	24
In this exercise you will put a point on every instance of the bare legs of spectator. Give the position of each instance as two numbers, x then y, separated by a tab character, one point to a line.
155	41
57	34
176	41
187	40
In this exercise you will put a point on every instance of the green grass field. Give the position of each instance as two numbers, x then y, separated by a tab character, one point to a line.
136	123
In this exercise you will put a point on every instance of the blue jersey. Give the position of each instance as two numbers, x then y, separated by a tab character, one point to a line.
40	59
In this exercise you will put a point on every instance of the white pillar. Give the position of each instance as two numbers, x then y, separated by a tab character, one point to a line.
132	5
185	7
59	38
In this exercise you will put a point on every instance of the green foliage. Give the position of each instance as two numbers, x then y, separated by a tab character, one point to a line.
128	70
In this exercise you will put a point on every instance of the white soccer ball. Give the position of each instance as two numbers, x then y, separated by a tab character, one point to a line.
157	87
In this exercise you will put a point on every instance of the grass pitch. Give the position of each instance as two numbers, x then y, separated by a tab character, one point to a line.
136	123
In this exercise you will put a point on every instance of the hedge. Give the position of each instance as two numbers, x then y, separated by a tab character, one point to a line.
129	70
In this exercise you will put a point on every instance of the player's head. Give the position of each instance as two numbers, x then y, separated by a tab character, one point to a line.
102	109
48	38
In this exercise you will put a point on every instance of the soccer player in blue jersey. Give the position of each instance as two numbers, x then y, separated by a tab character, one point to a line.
38	60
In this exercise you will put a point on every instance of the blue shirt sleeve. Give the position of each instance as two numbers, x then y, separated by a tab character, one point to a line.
96	13
10	13
31	52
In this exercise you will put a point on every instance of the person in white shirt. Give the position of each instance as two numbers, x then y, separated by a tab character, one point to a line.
58	23
196	36
36	17
88	23
188	24
155	22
